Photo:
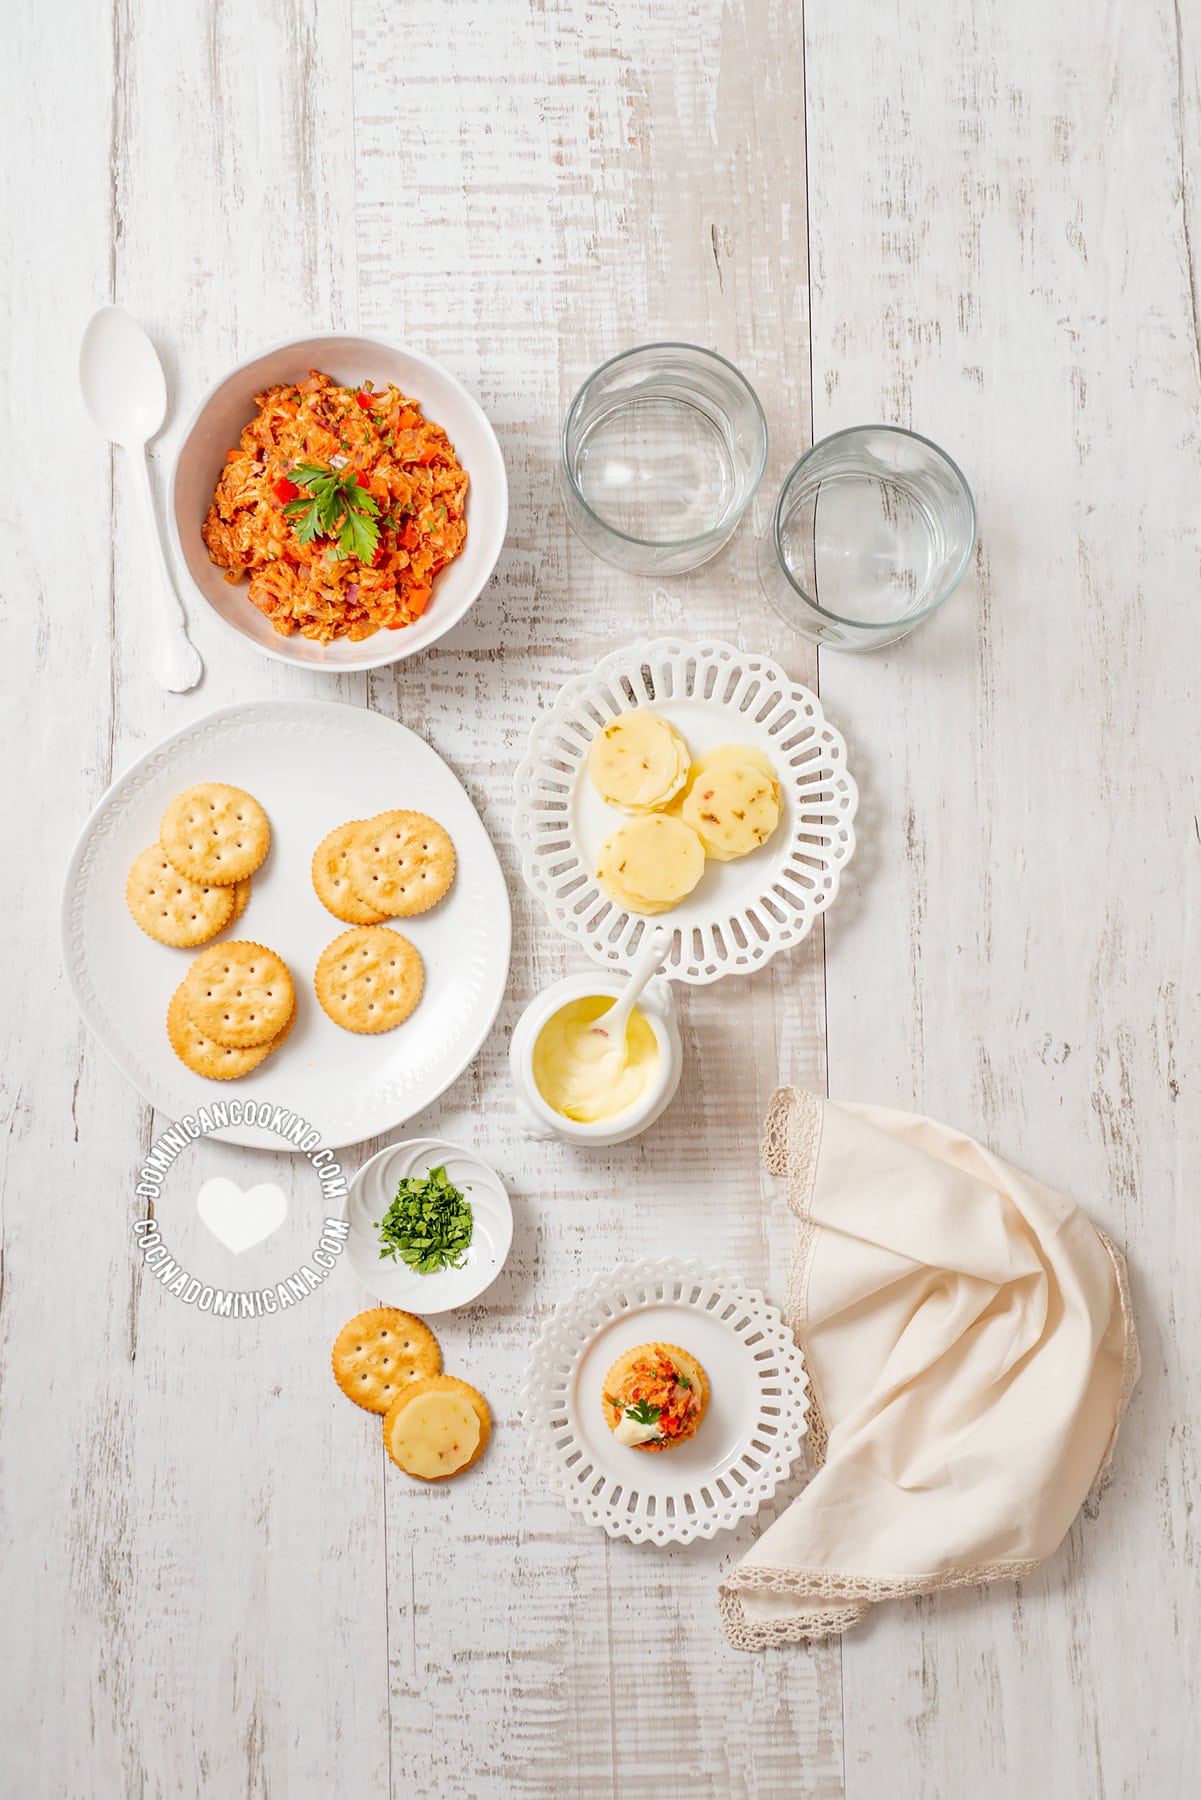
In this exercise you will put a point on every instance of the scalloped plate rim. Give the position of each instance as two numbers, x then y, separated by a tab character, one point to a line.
533	1387
613	664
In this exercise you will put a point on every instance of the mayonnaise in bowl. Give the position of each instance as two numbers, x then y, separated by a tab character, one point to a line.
573	1082
582	1074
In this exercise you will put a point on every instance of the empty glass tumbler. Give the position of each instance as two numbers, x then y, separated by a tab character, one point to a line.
873	530
663	450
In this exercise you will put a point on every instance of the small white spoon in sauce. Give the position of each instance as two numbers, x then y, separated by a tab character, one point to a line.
125	391
614	1023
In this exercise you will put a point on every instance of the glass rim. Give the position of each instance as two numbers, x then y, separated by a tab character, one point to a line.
910	619
702	537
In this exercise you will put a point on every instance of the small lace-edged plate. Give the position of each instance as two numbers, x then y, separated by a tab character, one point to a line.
747	1442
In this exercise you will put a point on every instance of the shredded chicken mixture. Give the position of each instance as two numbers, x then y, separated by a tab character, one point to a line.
378	443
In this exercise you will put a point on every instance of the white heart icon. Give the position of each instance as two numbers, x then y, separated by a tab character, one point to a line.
241	1218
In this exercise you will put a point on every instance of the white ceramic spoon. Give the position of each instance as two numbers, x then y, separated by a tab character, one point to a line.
614	1023
125	391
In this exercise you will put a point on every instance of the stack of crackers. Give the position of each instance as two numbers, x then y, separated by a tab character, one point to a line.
390	867
236	1004
196	880
389	1362
393	866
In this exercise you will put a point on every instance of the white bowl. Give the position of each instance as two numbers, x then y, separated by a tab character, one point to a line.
657	1006
372	1192
228	408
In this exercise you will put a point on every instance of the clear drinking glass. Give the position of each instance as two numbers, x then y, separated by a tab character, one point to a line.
873	530
663	450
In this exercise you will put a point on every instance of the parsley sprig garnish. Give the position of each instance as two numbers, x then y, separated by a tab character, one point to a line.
428	1225
336	507
643	1413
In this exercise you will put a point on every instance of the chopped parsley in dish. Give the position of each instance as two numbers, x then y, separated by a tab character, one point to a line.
428	1225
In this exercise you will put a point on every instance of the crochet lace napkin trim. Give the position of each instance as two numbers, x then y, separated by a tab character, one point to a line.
791	1142
792	1136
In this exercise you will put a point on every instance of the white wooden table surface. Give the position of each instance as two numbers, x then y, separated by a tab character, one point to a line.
979	220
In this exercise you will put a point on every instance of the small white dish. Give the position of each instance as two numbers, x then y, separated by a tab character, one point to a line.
744	1446
741	913
372	1192
657	1006
218	423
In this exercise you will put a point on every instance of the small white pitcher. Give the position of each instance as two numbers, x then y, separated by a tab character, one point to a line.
657	1006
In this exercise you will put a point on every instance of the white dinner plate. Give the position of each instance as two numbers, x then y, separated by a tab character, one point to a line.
372	1192
740	913
744	1446
311	764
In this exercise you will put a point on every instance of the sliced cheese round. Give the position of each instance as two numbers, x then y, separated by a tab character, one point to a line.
722	753
638	761
633	903
651	863
434	1435
748	754
733	807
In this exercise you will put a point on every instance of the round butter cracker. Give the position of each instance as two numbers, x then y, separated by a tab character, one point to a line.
215	833
379	1355
437	1428
638	761
331	881
684	1361
400	863
216	1062
369	979
169	907
239	994
241	894
686	1366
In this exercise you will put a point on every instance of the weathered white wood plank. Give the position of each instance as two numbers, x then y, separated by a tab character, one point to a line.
572	180
183	1548
1000	214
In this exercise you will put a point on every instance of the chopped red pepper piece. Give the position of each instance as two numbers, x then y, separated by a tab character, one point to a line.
364	400
285	490
408	537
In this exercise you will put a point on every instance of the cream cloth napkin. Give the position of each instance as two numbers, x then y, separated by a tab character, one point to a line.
970	1349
